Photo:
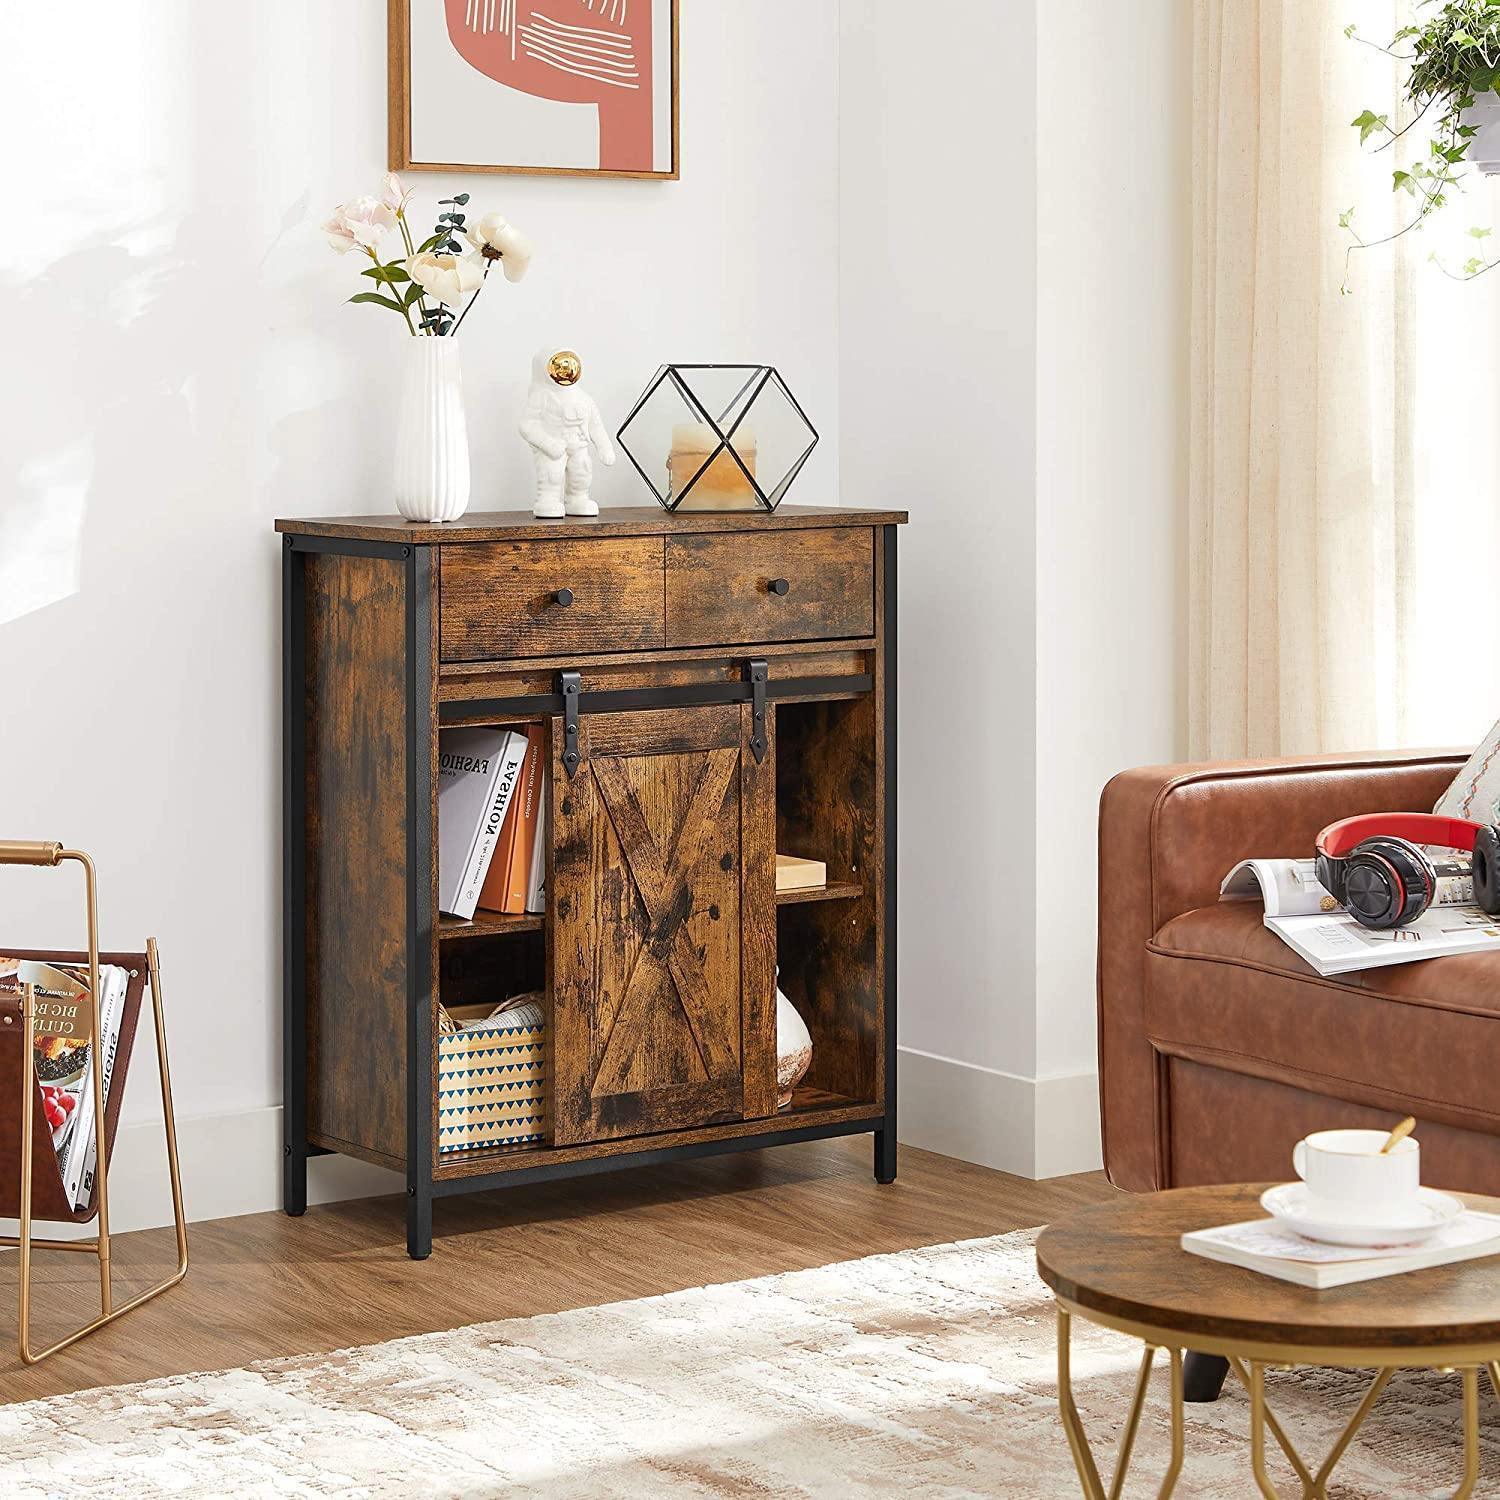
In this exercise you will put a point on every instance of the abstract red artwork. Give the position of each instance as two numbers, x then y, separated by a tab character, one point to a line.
535	85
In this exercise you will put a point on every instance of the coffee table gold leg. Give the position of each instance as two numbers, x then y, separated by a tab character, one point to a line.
1078	1442
1170	1482
1471	1435
1274	1428
1257	1384
1319	1488
1083	1460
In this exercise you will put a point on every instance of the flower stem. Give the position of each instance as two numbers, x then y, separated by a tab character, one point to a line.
390	287
411	251
472	300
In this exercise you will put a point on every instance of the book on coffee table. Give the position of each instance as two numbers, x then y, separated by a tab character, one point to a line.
1263	1245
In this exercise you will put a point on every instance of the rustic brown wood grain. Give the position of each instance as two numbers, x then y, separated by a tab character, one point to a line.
1123	1258
828	807
647	930
498	598
758	916
691	1057
616	520
267	1287
356	852
719	587
645	669
810	1106
835	890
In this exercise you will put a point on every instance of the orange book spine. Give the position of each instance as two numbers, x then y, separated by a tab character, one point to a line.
529	807
492	894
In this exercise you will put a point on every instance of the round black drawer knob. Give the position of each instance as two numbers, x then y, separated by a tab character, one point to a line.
779	586
564	597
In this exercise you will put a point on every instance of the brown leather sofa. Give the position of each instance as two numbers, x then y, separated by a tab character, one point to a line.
1218	1046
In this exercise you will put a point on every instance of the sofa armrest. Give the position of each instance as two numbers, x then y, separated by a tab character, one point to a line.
1167	837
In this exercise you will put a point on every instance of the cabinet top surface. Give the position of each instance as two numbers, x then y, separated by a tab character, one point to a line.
631	520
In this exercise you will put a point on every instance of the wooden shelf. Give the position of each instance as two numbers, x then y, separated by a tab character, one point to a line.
488	924
835	890
809	1106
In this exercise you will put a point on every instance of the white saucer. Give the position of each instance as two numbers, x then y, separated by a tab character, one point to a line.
1293	1205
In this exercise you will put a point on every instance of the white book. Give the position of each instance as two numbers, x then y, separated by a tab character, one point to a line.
536	893
110	1023
471	765
112	985
1265	1246
1337	944
1284	887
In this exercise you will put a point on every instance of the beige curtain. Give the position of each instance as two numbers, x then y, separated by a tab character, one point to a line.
1302	491
1344	510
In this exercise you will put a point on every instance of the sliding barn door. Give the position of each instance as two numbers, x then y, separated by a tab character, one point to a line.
663	925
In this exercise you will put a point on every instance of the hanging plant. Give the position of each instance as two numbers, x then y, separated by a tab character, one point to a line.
1453	87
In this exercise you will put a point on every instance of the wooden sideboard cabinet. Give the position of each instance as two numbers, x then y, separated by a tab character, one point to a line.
716	687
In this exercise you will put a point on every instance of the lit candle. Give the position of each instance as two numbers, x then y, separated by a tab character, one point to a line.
722	485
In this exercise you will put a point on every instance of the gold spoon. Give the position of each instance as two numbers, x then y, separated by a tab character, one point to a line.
1398	1135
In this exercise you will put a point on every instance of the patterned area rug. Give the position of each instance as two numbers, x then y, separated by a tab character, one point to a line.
928	1374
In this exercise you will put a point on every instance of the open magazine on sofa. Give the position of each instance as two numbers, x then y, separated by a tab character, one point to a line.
1311	922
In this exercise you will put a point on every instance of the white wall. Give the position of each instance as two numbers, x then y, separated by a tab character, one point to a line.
1014	315
179	369
1112	371
937	305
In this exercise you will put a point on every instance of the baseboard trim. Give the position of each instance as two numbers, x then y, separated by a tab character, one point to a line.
1033	1127
231	1165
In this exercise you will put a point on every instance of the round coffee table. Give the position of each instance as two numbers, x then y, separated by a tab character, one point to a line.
1121	1265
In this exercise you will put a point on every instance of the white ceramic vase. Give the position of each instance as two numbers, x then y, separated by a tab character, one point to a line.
432	438
793	1049
1484	145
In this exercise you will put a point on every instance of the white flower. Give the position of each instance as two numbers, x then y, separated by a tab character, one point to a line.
336	232
449	278
362	221
395	196
495	239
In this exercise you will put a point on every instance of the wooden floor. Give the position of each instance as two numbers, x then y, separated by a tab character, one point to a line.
265	1286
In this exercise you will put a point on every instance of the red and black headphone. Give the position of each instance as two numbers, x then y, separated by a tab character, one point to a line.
1376	866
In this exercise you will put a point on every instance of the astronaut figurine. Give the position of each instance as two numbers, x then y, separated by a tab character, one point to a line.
561	422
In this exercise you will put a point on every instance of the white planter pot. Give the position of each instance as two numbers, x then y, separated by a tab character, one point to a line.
1484	146
432	438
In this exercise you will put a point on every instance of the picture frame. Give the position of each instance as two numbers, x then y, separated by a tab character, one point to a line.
472	81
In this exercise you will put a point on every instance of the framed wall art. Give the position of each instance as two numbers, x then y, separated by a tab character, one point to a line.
585	87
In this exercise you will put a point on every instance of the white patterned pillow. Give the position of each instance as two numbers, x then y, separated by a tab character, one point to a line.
1475	792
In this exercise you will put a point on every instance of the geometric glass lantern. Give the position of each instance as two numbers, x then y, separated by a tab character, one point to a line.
718	437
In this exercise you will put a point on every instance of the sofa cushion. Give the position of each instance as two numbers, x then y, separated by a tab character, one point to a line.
1418	1038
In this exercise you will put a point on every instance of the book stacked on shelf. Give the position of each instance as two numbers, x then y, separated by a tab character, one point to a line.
492	791
65	1069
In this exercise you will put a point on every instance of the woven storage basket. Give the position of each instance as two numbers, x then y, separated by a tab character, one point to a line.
491	1085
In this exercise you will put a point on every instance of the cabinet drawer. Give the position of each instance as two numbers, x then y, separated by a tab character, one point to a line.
506	599
728	588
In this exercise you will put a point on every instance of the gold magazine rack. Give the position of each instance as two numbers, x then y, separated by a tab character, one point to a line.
31	1185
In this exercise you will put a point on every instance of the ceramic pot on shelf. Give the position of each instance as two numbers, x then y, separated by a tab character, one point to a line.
793	1049
432	436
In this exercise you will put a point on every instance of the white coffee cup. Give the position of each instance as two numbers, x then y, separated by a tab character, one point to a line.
1346	1169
